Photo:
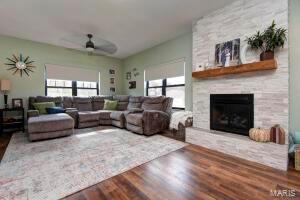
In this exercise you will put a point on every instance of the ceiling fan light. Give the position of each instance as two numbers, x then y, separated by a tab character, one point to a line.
90	49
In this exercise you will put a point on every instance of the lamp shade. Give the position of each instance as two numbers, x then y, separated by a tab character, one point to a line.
5	85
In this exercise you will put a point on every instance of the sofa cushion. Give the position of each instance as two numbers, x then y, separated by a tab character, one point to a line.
153	103
98	102
68	102
42	106
58	101
135	119
110	105
104	114
122	101
88	116
154	100
82	103
117	115
121	98
122	106
50	123
167	105
55	110
135	102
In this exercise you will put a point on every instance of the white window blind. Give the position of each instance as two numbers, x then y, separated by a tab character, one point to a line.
166	70
71	73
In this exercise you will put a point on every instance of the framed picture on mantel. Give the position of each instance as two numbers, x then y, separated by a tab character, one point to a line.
227	53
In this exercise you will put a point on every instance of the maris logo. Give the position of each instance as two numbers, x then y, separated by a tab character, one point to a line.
283	193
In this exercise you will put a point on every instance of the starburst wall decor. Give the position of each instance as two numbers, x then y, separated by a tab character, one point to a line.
20	65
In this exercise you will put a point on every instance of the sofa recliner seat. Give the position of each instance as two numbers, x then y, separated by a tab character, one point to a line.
50	126
118	118
88	119
155	116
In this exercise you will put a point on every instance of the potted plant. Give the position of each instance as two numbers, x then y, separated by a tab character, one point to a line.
268	41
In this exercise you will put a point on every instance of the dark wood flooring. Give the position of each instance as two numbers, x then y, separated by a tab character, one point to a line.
192	172
4	140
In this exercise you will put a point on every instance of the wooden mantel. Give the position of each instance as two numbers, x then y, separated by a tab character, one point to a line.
249	67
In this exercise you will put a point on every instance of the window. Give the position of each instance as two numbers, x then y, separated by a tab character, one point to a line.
85	89
170	87
56	87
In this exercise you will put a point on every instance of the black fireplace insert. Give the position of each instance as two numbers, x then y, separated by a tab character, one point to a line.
233	113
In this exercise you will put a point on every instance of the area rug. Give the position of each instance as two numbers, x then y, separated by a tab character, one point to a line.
56	168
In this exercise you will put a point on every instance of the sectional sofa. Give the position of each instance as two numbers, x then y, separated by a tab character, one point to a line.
142	115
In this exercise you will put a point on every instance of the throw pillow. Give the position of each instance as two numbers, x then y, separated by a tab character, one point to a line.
41	107
297	137
110	105
55	110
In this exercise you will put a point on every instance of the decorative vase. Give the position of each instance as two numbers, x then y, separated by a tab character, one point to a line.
268	55
259	135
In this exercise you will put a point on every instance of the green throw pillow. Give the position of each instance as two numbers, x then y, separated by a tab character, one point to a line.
41	107
110	105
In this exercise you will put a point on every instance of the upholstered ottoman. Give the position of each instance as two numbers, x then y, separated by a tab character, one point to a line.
50	126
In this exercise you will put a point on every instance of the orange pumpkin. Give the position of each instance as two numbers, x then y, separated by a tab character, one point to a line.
259	134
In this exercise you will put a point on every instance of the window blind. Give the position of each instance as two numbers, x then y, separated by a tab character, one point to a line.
71	73
166	70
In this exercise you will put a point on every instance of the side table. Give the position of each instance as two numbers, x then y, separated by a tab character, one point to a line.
11	120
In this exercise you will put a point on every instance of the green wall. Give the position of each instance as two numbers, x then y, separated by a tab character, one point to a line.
177	48
48	54
294	44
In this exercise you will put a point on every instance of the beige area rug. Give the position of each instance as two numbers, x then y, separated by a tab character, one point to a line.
56	168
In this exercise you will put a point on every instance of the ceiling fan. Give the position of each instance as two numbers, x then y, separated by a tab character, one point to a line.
90	44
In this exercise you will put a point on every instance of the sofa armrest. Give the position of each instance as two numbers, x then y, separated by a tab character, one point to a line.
155	121
73	112
32	113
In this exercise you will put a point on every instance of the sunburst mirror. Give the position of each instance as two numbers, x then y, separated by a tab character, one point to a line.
20	65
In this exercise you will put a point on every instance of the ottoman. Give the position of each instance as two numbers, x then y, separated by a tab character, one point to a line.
50	126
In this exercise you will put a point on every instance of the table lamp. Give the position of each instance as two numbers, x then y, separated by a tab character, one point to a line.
5	87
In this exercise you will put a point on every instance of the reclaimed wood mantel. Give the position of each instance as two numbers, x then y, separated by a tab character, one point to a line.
249	67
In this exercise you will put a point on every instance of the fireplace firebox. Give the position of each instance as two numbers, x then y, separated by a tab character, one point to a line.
233	113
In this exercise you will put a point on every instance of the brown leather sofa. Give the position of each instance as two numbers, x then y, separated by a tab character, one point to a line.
143	115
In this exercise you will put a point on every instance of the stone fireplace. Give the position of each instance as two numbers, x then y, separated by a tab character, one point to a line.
266	92
233	113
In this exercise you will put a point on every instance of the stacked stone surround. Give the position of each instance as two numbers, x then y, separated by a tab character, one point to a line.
270	88
270	154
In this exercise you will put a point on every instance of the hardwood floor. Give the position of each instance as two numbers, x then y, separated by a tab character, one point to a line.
192	172
4	140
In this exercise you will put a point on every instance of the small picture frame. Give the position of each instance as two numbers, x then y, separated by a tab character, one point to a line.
132	84
112	80
17	103
112	72
112	90
128	75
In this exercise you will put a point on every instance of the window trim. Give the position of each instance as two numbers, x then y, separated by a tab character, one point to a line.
74	88
164	89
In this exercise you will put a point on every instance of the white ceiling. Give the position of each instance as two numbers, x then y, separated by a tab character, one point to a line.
133	25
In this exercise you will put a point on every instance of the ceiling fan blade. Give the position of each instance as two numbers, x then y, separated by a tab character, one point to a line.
107	48
73	44
79	42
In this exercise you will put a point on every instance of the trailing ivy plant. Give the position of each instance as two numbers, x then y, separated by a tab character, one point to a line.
268	40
